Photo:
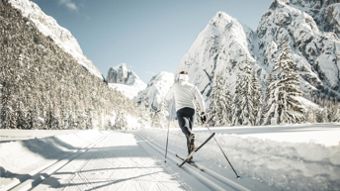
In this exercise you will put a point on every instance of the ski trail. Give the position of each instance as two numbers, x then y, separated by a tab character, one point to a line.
117	163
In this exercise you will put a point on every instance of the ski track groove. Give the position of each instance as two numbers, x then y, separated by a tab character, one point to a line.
207	172
200	177
30	184
81	172
80	169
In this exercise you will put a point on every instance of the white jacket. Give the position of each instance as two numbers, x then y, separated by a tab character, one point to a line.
184	95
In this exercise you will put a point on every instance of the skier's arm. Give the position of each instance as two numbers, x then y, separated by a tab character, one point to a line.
199	98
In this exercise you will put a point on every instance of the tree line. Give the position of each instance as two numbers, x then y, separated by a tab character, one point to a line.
278	101
42	87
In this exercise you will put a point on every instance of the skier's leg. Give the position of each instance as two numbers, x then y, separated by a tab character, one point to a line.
191	119
191	139
188	114
183	123
183	116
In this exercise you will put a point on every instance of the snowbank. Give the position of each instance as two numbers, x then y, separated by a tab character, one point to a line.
285	157
287	165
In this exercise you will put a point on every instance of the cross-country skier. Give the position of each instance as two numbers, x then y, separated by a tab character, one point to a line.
184	94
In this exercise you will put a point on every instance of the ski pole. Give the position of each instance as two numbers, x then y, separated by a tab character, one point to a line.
225	156
167	142
167	134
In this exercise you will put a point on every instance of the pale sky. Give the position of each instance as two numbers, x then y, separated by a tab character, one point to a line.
148	35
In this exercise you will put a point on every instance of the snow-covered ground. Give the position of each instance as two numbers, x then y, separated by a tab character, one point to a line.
79	160
291	157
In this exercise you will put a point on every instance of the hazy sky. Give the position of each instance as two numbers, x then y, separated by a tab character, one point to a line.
149	35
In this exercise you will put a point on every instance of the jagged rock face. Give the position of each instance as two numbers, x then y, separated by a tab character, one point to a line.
332	19
324	12
122	75
221	48
315	53
158	87
125	80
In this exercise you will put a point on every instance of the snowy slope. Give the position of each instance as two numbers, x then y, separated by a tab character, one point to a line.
123	79
315	52
154	94
50	28
128	91
220	48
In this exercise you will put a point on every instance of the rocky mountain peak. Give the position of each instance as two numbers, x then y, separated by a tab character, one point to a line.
153	95
221	47
122	74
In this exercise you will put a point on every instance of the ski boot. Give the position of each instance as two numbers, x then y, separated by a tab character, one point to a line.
191	145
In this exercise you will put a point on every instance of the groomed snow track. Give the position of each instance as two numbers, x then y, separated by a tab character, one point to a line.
42	173
211	179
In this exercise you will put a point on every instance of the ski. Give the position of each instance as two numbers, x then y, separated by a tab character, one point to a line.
192	163
183	159
195	150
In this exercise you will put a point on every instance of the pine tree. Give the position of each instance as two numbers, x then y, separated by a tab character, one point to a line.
236	106
220	107
120	120
332	110
1	87
337	116
283	105
246	98
256	100
265	99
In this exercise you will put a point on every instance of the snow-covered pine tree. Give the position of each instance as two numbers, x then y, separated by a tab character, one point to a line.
265	98
337	116
236	110
282	103
220	107
120	120
1	87
246	98
256	100
332	110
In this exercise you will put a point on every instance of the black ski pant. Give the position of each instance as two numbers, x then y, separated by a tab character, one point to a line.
185	117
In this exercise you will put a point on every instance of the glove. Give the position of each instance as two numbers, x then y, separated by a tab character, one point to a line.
203	117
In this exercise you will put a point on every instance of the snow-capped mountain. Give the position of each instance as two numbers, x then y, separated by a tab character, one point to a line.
155	92
50	28
303	27
220	49
123	79
122	74
310	30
